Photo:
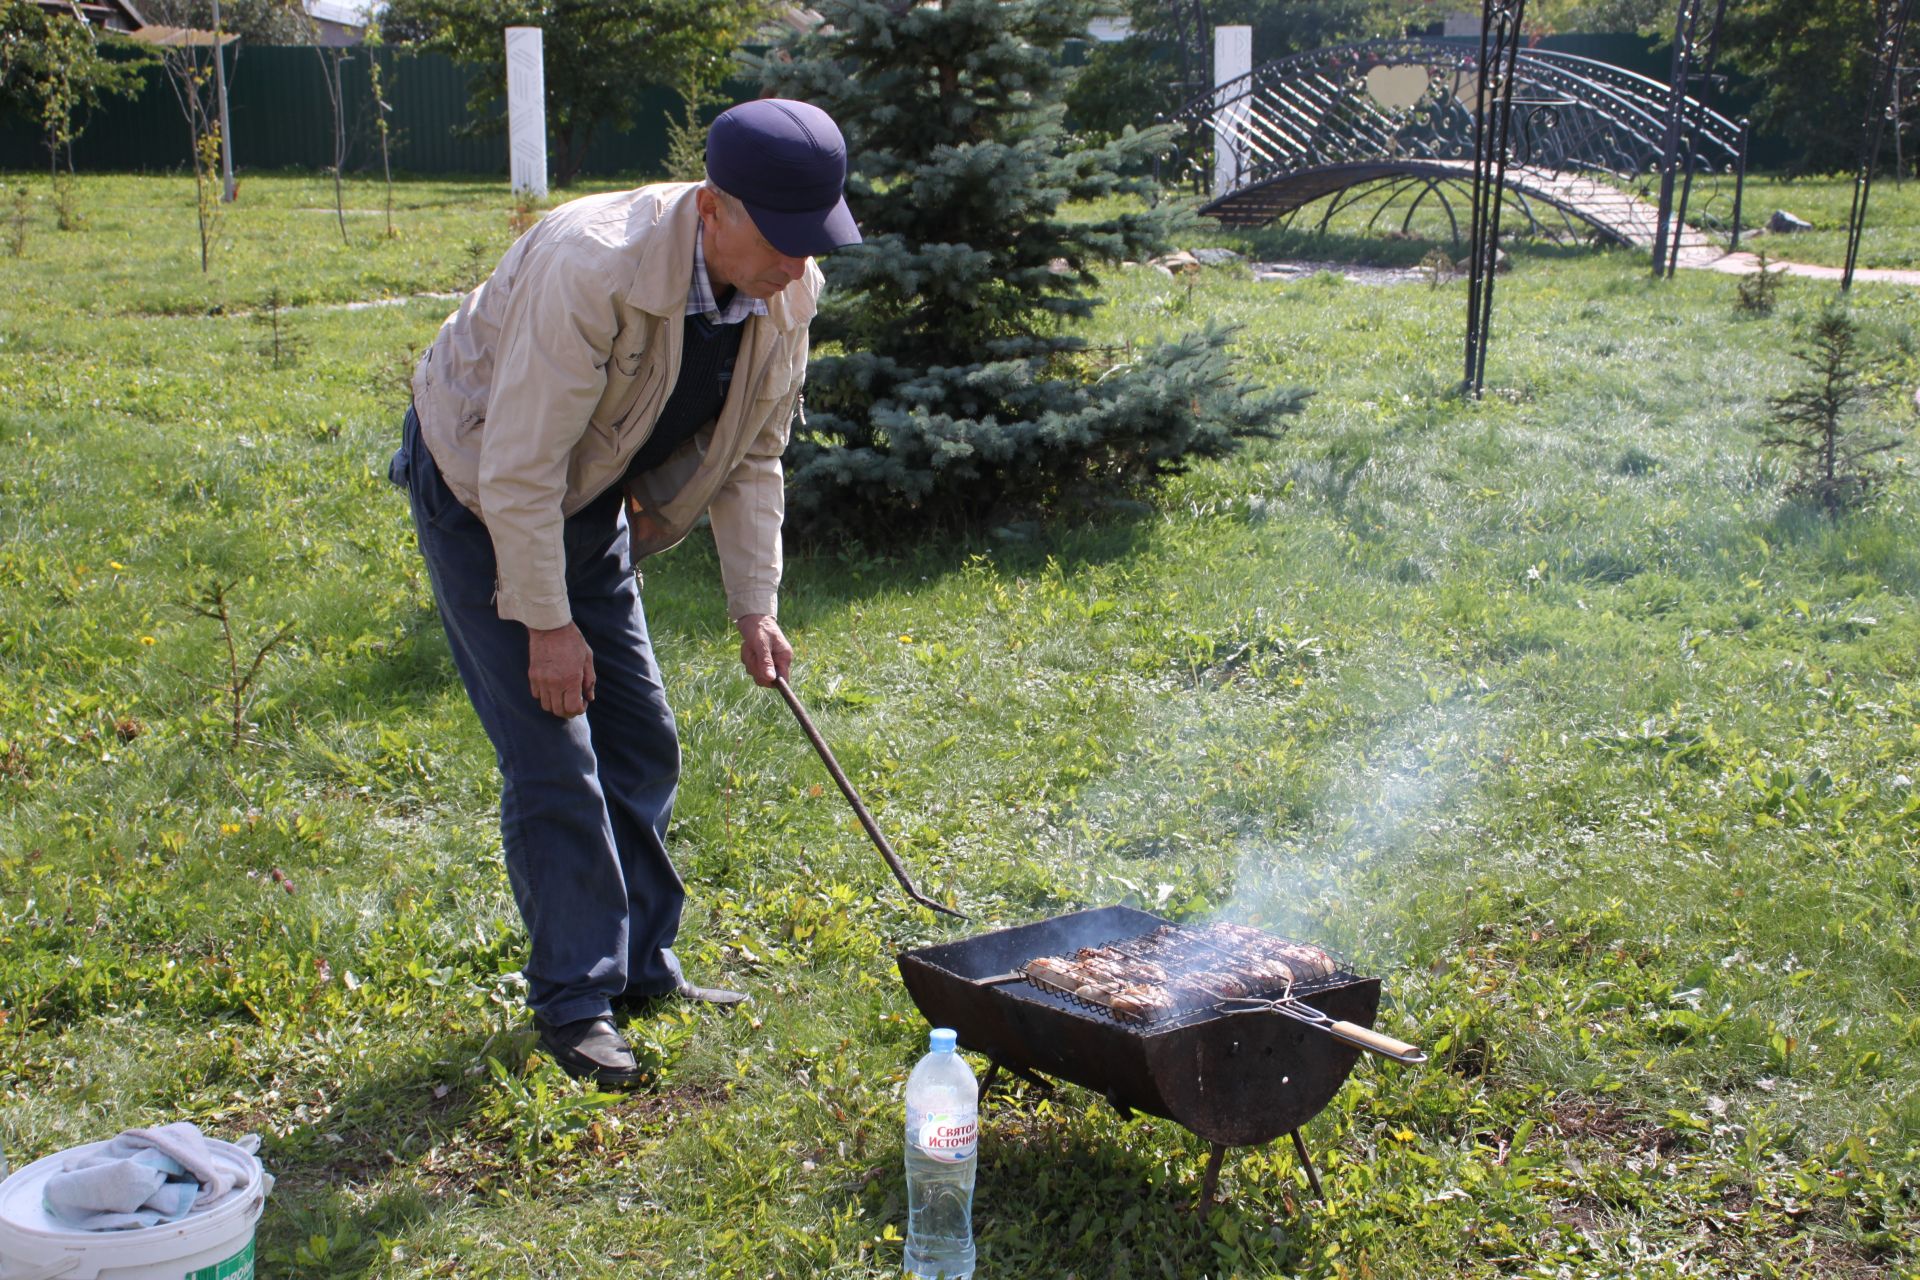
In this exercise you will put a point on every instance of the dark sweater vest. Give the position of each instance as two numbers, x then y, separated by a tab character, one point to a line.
707	352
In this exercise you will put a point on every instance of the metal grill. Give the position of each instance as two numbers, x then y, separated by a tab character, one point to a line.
1237	1073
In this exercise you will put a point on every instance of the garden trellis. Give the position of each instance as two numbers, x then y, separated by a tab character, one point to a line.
1893	17
1696	43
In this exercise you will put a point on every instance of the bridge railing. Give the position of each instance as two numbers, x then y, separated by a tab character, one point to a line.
1411	99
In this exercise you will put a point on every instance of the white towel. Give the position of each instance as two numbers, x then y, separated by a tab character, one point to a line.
215	1171
143	1177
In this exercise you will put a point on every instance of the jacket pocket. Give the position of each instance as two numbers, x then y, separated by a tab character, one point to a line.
614	418
779	400
629	349
780	380
632	372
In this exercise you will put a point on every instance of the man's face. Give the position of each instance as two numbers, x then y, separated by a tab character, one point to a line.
738	255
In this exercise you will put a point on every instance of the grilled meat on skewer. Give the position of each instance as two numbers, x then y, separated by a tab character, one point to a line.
1175	969
1309	964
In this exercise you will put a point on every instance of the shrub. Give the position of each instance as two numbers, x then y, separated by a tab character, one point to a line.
19	222
959	394
1758	292
1811	421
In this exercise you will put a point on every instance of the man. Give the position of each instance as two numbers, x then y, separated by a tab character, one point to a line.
632	363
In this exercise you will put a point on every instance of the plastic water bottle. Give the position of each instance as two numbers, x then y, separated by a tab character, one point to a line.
943	1141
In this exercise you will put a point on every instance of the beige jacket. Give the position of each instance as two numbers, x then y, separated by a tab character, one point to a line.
543	384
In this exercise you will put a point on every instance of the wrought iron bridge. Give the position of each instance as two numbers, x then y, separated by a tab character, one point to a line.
1395	119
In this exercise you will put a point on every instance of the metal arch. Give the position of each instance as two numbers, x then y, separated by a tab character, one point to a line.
1677	152
1534	225
1282	197
1492	140
1390	189
1437	189
1351	196
1394	185
1890	39
1394	192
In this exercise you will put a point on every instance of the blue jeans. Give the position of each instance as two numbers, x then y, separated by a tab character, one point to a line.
584	803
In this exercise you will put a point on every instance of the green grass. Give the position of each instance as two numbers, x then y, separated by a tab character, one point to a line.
1889	239
1543	707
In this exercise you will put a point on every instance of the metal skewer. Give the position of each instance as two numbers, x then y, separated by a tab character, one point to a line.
853	798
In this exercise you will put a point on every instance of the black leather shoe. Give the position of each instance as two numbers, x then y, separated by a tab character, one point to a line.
591	1049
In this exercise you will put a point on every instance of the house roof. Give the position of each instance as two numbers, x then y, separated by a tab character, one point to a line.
347	13
108	15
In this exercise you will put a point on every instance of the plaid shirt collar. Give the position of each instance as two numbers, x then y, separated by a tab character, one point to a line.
700	292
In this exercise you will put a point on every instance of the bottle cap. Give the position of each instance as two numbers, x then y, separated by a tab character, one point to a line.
942	1040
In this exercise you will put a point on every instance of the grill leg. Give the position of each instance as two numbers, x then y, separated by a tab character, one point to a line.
1313	1178
993	1073
1211	1182
1043	1085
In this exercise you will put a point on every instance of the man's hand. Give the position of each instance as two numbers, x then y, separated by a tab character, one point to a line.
560	670
764	651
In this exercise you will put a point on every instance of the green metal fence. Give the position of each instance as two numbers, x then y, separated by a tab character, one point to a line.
282	120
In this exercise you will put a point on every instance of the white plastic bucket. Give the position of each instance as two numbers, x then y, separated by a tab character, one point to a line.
214	1245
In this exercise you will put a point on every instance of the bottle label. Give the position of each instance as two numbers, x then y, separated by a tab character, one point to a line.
948	1136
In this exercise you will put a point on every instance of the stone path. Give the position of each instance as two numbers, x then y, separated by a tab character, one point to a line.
370	303
1694	258
1746	264
1638	221
1358	273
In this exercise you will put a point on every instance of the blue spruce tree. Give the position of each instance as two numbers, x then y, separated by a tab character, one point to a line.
951	386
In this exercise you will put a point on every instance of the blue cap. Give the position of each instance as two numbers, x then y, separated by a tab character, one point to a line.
787	163
942	1039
